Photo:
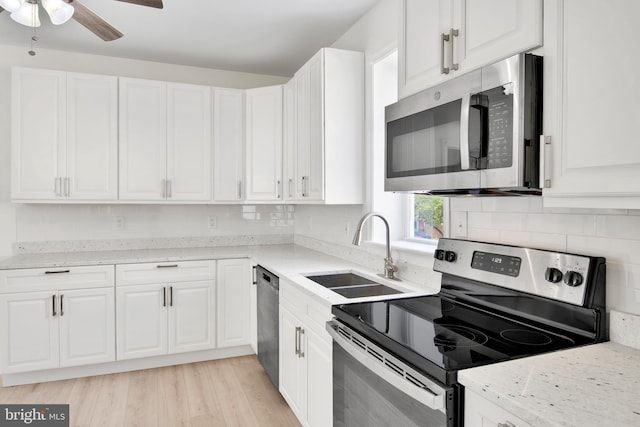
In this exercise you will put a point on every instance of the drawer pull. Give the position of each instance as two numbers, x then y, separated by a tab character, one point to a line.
57	272
53	305
164	296
61	305
167	266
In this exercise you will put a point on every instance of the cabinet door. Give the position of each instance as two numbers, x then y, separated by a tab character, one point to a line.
302	132
228	145
289	138
143	139
87	326
292	376
141	321
588	110
234	302
420	52
264	144
188	143
191	316
315	162
92	137
28	331
38	125
319	380
491	30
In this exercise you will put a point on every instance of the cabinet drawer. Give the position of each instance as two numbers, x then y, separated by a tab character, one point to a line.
164	272
43	279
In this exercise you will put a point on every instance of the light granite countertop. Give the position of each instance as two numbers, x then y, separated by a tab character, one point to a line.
287	261
591	386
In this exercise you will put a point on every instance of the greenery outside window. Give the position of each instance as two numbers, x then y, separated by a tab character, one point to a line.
427	218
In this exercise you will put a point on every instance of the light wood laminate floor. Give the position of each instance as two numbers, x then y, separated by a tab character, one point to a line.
227	392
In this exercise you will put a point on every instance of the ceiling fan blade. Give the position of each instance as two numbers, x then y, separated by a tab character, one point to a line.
150	3
94	23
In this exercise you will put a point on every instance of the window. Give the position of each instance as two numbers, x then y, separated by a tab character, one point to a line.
427	222
415	218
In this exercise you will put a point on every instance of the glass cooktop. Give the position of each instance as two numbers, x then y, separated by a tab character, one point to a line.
450	335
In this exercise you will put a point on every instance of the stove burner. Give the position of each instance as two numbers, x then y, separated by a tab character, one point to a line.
446	306
521	336
457	336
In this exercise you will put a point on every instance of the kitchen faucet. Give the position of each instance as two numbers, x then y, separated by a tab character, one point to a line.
390	268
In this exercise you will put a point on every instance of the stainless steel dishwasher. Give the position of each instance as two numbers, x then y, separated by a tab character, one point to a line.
268	322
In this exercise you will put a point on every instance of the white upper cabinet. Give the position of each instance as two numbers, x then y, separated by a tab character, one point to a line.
589	107
64	136
228	145
165	141
188	142
264	144
328	129
440	39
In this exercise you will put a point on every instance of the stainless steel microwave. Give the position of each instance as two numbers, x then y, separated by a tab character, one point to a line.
475	134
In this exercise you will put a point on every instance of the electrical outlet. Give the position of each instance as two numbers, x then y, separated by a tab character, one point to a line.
459	224
119	223
212	222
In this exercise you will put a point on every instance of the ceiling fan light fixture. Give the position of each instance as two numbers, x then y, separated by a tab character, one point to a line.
59	11
10	5
27	14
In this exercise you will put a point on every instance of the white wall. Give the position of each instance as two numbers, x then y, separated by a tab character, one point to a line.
20	223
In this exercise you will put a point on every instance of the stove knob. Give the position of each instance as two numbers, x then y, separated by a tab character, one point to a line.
450	256
553	275
439	254
573	278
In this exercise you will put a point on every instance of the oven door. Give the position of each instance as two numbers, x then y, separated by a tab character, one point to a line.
374	388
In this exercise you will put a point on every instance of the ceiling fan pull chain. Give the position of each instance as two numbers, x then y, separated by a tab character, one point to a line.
34	38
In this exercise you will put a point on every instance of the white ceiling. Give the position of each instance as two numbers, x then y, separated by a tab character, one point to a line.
258	36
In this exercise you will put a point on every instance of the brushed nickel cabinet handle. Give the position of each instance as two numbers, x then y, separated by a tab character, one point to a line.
67	186
452	35
297	342
170	296
278	188
164	296
290	185
53	305
239	190
167	266
300	342
57	186
444	39
169	189
61	305
57	271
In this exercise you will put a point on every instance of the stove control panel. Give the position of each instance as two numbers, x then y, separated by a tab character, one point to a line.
556	275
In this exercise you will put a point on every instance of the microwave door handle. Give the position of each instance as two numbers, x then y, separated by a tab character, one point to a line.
464	131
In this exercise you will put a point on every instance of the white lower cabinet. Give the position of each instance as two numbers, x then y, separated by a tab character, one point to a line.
58	321
234	302
306	372
479	412
165	308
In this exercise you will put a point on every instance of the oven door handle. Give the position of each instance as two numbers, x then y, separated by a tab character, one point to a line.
426	396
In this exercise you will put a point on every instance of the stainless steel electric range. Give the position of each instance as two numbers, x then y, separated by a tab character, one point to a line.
395	362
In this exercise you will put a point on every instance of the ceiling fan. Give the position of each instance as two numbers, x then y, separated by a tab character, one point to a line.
60	11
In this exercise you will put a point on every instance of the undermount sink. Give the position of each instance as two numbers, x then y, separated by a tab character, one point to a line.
351	285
